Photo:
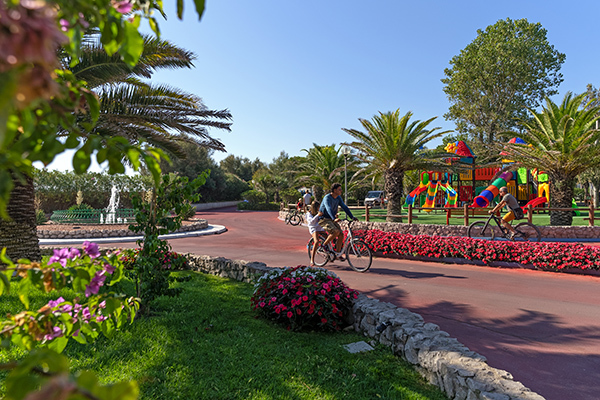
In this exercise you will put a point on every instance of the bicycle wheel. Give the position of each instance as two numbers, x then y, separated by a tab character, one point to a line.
527	233
476	231
359	255
295	219
321	258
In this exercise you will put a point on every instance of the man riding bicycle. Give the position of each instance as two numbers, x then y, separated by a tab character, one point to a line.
512	204
329	208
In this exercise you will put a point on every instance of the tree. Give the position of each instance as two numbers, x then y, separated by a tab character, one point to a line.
241	167
507	68
563	142
322	167
219	185
390	146
129	108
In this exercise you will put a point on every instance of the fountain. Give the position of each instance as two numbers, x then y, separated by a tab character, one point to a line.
109	215
111	210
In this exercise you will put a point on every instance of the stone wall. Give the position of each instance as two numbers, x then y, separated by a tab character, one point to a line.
461	373
553	232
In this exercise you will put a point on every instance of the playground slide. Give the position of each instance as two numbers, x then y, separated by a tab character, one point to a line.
574	205
431	192
535	202
484	199
410	199
451	195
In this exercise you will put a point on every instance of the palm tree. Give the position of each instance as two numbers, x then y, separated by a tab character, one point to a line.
129	107
563	142
392	145
159	115
322	167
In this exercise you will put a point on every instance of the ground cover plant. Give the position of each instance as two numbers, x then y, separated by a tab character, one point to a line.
544	255
208	343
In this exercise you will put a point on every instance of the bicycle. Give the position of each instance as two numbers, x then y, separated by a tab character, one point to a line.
525	231
293	218
357	252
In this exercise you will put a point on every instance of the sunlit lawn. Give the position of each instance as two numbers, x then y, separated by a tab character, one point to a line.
207	344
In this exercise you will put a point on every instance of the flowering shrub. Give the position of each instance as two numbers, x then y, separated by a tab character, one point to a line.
82	319
304	298
543	255
169	260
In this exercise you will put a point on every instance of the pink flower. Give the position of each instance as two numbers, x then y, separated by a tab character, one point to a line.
122	6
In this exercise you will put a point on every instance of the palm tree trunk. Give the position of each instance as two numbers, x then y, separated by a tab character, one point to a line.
19	234
394	189
561	196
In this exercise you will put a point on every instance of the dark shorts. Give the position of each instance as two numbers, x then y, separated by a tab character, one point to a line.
330	225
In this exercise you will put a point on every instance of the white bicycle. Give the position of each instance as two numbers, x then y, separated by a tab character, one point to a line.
357	252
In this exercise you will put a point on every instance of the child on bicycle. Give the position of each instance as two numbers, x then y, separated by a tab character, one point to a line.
312	218
512	204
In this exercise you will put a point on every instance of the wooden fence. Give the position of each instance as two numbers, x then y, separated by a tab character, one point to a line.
467	213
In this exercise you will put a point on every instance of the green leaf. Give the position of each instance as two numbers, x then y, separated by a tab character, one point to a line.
5	284
23	289
87	380
94	105
58	344
154	26
81	160
199	8
121	391
180	9
133	43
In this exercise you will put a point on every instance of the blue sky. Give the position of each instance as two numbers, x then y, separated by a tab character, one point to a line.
294	73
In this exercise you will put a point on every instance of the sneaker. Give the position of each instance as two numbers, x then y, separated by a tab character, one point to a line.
511	235
341	258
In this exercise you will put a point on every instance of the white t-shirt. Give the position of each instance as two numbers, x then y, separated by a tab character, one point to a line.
307	197
313	223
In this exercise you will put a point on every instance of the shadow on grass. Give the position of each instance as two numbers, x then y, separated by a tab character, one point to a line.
208	344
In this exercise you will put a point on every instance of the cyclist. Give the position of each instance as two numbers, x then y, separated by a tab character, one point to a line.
312	218
329	208
514	211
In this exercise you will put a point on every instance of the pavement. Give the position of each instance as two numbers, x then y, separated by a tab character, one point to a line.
542	327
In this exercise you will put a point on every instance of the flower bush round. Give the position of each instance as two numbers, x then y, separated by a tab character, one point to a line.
304	298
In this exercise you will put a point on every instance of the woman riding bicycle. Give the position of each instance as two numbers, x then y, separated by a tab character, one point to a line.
514	211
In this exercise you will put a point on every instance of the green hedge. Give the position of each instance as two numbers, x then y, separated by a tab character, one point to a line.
258	207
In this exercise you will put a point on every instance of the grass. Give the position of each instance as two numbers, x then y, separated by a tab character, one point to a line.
439	217
207	344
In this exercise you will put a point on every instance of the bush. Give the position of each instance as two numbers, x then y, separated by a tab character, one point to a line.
40	217
254	196
189	211
290	195
81	206
258	207
304	298
169	260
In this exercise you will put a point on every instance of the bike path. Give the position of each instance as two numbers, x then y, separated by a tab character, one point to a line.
542	327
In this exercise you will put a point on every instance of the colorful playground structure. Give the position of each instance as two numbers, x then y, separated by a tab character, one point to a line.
478	187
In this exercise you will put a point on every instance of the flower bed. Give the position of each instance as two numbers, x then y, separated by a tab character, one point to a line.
547	256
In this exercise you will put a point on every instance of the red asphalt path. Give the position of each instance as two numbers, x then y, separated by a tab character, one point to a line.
542	327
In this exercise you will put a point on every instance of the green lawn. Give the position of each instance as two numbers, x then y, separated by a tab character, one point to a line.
439	217
207	344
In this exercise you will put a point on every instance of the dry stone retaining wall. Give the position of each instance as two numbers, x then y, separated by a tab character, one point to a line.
461	373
